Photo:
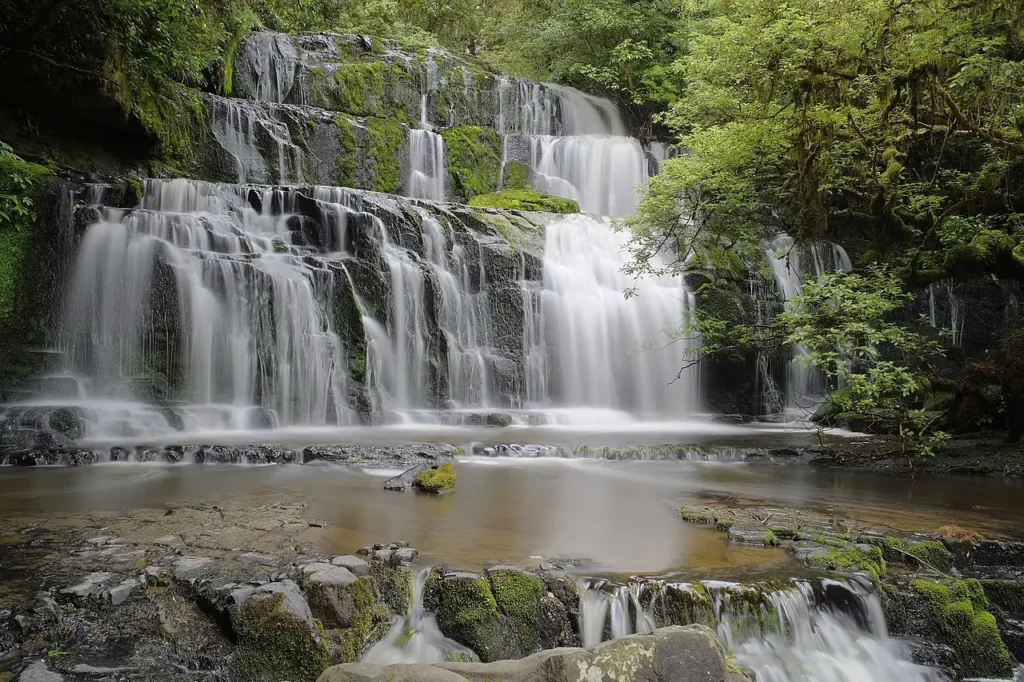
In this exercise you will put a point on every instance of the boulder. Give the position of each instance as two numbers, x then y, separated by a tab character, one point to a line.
336	595
674	654
466	611
277	636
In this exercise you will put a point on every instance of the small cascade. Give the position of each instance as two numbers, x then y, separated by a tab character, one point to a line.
247	132
576	145
416	637
584	345
271	61
819	630
791	265
426	148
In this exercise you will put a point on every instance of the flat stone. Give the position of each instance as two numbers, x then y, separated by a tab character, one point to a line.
99	671
169	541
406	555
120	593
747	533
263	559
38	672
92	584
185	566
352	563
331	597
316	567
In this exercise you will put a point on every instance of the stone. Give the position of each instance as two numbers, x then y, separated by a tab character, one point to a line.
335	594
466	611
38	672
277	637
189	566
91	585
352	563
405	555
119	594
673	654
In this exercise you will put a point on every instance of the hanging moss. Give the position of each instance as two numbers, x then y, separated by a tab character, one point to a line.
473	155
959	620
386	141
525	200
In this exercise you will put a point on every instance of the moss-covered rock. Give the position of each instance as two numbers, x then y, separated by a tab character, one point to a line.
851	559
386	147
956	617
515	175
345	164
517	594
277	636
473	155
696	516
525	200
440	479
466	611
933	554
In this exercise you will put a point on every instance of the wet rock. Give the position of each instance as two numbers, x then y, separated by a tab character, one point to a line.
120	593
38	672
336	595
380	457
91	586
750	533
517	595
191	566
466	611
352	563
277	637
674	654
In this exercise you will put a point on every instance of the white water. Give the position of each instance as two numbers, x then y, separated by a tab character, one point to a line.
414	638
272	61
588	345
426	148
817	641
247	133
792	264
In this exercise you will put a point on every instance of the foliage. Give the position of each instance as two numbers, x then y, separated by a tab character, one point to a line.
473	156
844	324
18	183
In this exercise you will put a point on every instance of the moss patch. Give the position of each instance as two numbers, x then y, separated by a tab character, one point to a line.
515	175
933	553
525	200
473	155
695	516
386	141
959	620
359	88
275	645
466	610
517	594
439	480
345	166
849	559
1007	595
364	598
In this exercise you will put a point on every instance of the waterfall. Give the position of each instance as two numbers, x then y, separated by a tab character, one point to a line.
416	637
823	630
586	344
245	131
791	264
271	61
426	148
576	145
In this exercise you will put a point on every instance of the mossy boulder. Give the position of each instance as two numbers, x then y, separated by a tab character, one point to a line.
515	175
953	615
517	594
438	480
278	638
386	150
336	596
466	611
473	155
682	603
525	200
851	559
933	554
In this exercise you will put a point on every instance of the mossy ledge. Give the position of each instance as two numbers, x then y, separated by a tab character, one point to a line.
525	200
438	480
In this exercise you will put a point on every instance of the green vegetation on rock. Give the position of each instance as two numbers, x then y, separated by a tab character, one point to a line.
466	610
959	620
515	175
849	559
438	480
275	644
387	142
933	553
517	594
473	155
525	200
19	182
345	167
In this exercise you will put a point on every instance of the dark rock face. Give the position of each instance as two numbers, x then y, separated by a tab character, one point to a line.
673	654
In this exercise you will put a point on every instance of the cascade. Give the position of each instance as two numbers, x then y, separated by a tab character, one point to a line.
244	130
575	144
822	630
416	637
582	335
791	264
426	148
271	59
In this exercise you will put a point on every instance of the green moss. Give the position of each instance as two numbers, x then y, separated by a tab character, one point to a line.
515	175
466	610
345	167
958	620
770	540
473	155
850	558
359	88
439	480
695	516
394	585
127	191
683	605
274	644
1007	595
933	553
386	139
517	594
525	200
364	598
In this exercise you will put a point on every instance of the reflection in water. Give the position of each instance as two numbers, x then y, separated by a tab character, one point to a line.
618	516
